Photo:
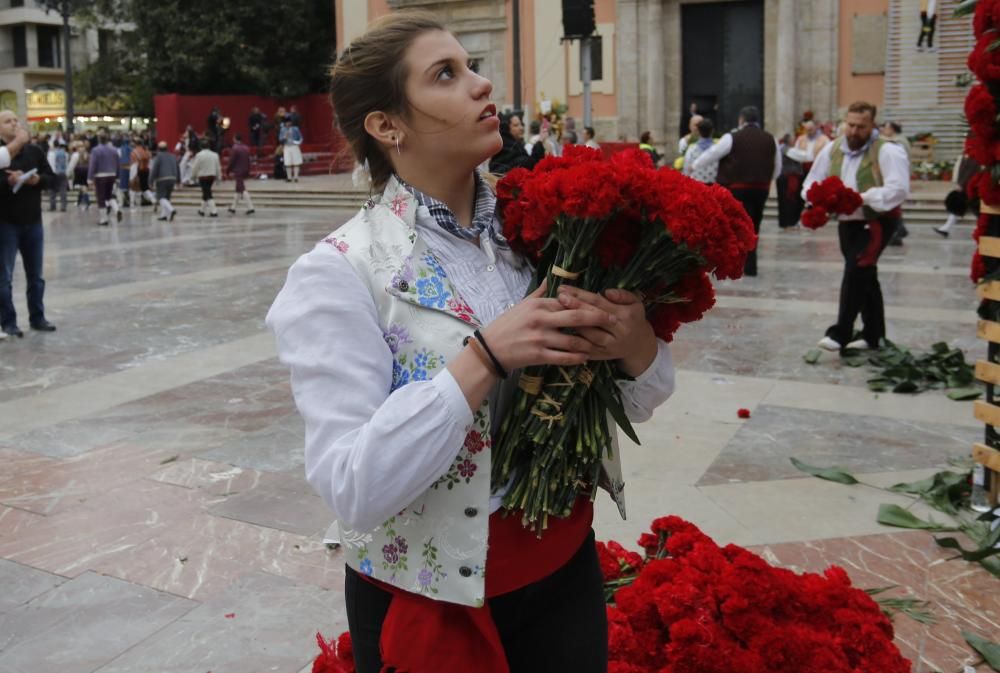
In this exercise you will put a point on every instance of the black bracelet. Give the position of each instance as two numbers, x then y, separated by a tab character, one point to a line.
501	372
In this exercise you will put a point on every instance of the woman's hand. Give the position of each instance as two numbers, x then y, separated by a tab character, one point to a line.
629	338
531	333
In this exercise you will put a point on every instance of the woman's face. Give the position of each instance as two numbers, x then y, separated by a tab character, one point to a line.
516	128
450	115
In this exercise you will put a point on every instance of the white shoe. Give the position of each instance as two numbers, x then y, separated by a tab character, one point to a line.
859	345
3	335
829	344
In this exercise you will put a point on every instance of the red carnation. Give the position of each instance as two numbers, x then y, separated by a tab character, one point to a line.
984	62
987	17
743	413
981	111
336	656
815	217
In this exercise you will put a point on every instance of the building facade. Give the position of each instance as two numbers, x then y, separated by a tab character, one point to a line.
658	56
32	75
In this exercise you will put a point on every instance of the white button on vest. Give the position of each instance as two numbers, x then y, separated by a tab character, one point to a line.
491	267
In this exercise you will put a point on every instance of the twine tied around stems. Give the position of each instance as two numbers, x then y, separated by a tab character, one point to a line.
563	273
545	417
530	384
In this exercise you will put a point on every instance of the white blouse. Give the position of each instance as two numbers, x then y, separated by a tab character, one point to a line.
370	451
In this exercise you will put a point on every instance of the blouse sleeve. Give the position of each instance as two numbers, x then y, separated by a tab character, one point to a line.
650	389
370	451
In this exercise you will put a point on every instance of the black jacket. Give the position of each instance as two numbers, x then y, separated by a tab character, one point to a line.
25	207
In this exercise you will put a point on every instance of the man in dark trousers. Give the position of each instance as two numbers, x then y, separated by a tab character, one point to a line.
256	125
239	168
21	228
880	171
749	160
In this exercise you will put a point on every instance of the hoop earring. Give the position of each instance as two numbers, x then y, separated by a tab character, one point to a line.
396	138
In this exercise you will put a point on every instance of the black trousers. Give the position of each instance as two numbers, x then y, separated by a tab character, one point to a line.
557	624
861	244
206	187
753	201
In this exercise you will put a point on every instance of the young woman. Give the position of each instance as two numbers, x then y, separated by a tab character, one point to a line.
400	330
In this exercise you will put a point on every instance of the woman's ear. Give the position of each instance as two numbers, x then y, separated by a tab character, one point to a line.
383	129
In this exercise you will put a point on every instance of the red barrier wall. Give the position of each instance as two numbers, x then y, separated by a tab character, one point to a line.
175	111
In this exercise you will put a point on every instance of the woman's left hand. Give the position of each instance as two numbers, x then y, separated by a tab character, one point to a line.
630	339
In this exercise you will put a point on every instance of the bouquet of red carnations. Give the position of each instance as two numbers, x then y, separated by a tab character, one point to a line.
601	224
829	197
689	606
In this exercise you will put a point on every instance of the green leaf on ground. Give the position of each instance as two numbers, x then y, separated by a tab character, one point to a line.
830	474
894	515
813	356
989	651
963	394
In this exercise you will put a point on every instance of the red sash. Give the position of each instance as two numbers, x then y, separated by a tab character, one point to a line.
422	635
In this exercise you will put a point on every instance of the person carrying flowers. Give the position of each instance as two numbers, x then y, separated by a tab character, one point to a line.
403	331
880	172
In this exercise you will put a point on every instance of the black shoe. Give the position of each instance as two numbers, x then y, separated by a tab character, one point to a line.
251	211
213	214
173	214
232	211
941	232
43	326
14	331
119	215
201	212
897	242
161	219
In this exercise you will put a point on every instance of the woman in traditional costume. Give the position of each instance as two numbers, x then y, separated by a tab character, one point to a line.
403	330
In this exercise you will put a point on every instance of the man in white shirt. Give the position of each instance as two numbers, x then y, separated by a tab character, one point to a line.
880	171
749	160
10	150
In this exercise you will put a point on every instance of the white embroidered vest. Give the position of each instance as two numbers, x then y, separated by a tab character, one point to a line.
437	545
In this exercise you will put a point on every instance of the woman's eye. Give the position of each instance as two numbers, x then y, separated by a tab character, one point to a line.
474	66
446	73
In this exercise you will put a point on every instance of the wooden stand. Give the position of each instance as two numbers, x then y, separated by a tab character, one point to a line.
988	371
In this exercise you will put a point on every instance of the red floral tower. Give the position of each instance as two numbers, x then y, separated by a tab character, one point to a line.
983	145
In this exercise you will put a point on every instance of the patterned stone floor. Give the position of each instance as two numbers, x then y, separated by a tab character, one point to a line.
153	512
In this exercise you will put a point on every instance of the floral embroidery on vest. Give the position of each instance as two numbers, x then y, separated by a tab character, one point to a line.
432	572
340	245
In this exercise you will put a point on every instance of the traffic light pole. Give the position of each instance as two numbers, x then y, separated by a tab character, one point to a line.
64	9
586	75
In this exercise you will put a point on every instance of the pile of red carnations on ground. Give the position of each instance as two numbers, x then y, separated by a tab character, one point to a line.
690	606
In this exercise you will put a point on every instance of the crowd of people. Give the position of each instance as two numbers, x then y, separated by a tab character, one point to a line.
524	148
121	170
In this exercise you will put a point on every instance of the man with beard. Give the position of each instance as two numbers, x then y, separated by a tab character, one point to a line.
880	172
21	228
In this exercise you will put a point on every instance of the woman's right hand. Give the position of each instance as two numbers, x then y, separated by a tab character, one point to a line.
532	332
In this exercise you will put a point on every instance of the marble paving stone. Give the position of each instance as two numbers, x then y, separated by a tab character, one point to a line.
83	624
772	344
200	555
272	628
280	448
762	449
296	510
13	521
106	527
71	438
20	584
215	479
824	285
48	487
